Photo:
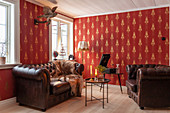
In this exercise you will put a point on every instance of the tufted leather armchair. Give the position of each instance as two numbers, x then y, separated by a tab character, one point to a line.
149	85
34	87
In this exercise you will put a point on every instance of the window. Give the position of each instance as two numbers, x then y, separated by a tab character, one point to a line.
10	32
4	30
62	39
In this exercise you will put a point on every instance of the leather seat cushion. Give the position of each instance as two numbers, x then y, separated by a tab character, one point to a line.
131	84
58	87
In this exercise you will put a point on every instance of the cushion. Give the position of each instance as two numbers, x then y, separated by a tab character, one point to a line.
131	84
58	87
68	67
58	70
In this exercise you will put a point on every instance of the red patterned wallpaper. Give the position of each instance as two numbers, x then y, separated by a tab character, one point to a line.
130	38
34	39
34	45
7	87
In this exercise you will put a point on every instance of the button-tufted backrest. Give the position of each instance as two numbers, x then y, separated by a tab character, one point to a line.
49	66
132	69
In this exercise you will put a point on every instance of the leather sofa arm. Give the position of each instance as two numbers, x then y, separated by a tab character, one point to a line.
153	73
79	68
131	70
31	73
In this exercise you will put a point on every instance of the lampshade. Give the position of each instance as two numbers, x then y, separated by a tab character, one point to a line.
83	46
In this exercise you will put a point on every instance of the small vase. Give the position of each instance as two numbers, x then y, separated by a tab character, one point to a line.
117	68
2	60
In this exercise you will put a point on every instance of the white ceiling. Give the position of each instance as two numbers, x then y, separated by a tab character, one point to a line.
80	8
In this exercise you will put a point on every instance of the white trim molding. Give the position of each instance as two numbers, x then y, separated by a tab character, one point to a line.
8	66
17	31
130	10
50	42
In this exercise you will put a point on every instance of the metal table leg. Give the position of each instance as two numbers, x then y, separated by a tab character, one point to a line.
86	94
120	83
107	92
91	91
103	95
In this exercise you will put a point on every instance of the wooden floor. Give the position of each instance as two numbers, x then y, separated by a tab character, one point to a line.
118	103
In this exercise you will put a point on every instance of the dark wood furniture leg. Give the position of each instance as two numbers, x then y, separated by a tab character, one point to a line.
120	83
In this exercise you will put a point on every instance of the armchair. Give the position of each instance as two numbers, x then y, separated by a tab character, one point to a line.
149	85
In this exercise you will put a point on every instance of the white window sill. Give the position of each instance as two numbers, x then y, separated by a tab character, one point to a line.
8	66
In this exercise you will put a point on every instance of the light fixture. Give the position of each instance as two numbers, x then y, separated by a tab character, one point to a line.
83	46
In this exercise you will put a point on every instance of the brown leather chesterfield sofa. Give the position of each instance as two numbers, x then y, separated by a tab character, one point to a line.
149	85
35	88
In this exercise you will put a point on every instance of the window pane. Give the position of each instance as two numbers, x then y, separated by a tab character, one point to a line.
63	29
3	33
64	40
3	14
2	50
54	29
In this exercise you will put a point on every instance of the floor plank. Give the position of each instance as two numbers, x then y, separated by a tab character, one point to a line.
118	103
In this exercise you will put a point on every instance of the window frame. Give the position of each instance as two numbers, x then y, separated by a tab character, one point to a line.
69	37
13	30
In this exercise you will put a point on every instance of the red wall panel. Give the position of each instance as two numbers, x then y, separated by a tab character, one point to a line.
130	38
34	39
7	87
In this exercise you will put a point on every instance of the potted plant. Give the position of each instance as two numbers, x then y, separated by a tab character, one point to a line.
101	70
2	56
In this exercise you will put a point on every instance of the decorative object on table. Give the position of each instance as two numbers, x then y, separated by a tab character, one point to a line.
2	55
101	70
55	54
83	46
117	68
95	78
48	14
91	73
